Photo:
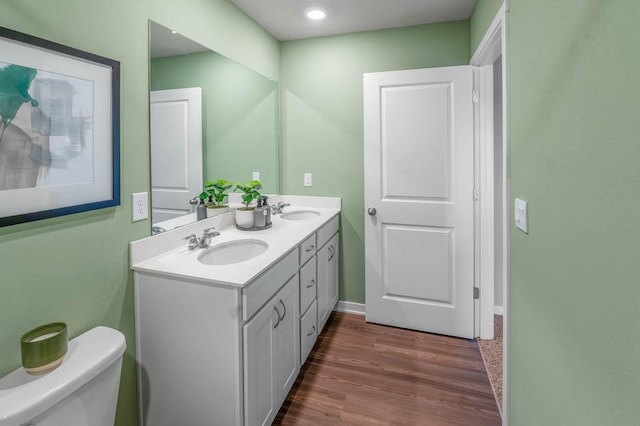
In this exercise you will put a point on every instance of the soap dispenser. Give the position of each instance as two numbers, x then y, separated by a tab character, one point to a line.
260	214
267	208
201	211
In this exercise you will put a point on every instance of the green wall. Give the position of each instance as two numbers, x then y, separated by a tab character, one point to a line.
574	132
321	83
482	17
241	117
75	268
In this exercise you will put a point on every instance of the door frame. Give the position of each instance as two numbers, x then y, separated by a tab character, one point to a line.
492	46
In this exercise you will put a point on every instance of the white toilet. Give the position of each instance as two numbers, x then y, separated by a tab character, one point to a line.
83	391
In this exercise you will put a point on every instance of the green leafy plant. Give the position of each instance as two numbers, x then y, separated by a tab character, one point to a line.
250	192
215	192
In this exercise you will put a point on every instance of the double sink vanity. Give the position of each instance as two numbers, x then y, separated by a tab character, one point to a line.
223	328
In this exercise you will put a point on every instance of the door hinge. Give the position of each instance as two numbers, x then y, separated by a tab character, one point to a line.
475	97
476	194
476	293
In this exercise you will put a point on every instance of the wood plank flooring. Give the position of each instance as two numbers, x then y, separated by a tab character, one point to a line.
368	374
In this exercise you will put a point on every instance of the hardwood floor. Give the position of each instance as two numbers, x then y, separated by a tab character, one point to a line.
368	374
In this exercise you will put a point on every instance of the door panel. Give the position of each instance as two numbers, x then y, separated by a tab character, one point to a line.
406	136
419	178
411	251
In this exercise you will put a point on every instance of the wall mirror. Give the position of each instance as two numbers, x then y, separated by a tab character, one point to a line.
210	118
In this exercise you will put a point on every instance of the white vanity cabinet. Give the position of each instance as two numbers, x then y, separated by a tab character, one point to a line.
318	284
223	345
211	354
189	352
271	355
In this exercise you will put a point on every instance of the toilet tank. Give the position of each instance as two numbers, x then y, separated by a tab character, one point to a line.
83	391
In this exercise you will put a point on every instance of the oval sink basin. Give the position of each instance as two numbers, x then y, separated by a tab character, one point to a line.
300	215
232	252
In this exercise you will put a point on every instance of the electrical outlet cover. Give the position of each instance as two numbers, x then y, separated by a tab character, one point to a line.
521	214
139	206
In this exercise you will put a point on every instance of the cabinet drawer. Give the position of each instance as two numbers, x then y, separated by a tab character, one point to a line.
307	249
266	285
327	231
308	331
307	284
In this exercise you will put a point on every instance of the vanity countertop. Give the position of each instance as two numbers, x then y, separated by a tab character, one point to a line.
283	236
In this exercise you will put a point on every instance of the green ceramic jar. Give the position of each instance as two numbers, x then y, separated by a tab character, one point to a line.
44	347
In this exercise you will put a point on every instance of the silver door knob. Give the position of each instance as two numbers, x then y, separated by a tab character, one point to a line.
372	211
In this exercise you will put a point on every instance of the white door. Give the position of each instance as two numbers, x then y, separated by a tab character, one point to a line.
176	151
419	208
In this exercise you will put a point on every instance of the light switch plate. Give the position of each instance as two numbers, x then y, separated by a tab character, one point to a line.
140	205
521	214
308	181
256	176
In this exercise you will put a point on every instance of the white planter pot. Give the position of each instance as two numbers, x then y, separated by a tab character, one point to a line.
218	210
244	218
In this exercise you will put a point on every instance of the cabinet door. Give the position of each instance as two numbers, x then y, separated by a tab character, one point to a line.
322	267
333	271
327	269
260	372
288	337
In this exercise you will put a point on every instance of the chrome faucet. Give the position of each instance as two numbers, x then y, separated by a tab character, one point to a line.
207	235
155	230
194	242
277	208
202	242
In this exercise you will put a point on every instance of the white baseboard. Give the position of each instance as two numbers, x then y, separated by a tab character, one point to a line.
359	308
350	307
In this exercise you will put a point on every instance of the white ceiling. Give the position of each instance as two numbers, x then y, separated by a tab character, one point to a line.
285	19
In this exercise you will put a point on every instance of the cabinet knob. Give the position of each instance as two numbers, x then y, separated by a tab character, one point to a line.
372	211
313	330
284	308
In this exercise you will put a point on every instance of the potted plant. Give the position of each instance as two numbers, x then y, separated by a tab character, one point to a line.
214	194
244	215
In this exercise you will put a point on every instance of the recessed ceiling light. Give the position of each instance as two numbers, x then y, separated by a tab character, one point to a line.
316	13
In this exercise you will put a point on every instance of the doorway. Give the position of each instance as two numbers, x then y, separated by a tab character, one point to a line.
490	60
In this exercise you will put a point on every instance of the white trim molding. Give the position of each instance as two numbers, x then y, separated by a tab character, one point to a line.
492	46
498	310
350	307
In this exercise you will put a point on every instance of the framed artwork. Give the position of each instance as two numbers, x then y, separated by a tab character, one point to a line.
59	129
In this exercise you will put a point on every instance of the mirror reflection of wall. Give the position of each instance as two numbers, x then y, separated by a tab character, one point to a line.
240	124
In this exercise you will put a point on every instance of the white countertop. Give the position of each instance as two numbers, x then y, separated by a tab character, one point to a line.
283	236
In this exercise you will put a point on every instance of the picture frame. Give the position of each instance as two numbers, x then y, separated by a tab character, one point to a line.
59	129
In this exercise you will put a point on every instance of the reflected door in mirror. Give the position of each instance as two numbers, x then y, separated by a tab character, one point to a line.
176	151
